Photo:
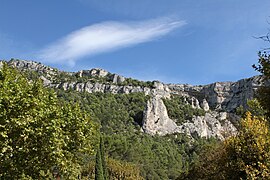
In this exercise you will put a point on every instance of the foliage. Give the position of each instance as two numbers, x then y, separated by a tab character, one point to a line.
119	170
37	132
116	170
253	106
103	159
263	64
115	112
210	164
263	93
131	152
135	82
248	153
180	110
158	158
245	156
121	118
101	172
62	76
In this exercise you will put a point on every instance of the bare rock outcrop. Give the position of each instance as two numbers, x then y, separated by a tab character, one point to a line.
222	96
219	99
156	119
95	72
212	124
117	79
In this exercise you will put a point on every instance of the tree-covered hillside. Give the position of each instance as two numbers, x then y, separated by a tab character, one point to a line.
121	116
44	131
54	132
247	154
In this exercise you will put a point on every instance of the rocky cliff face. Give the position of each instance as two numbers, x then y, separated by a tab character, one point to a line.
212	124
219	99
225	96
156	119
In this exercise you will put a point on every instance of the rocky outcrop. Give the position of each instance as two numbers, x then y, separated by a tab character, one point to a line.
33	66
224	96
212	124
117	79
101	73
219	99
156	119
204	105
99	87
96	72
228	96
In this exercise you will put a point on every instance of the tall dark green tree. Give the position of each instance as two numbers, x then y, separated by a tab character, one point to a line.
263	94
263	66
101	172
103	159
98	167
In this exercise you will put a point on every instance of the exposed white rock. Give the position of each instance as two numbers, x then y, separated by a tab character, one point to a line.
33	66
156	119
213	124
195	103
204	105
95	72
99	72
225	96
117	79
213	98
46	81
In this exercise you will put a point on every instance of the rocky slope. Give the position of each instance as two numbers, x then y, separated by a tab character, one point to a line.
219	99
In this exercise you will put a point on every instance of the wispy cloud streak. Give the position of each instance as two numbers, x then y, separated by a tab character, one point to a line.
104	37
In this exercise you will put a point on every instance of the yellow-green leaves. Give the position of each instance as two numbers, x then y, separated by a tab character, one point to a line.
244	156
248	152
37	132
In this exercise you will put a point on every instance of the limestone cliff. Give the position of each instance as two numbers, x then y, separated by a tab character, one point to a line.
219	99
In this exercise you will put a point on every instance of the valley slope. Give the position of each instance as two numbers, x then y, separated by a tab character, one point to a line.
218	100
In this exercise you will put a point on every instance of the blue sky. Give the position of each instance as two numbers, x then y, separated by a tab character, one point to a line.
174	41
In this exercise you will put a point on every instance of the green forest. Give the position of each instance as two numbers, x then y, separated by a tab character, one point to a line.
49	133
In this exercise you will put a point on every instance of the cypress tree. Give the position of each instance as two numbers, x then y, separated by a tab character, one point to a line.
99	167
102	153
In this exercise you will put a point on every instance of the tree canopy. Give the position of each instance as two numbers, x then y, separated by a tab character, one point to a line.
263	94
38	132
245	156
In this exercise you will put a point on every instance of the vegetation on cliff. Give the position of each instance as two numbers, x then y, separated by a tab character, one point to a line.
180	110
121	117
246	155
51	130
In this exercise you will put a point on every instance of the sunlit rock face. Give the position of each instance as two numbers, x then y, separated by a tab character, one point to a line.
212	124
219	99
156	119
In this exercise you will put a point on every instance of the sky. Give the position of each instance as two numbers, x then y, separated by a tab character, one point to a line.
173	41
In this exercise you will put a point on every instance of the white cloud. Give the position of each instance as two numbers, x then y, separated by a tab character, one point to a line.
104	37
